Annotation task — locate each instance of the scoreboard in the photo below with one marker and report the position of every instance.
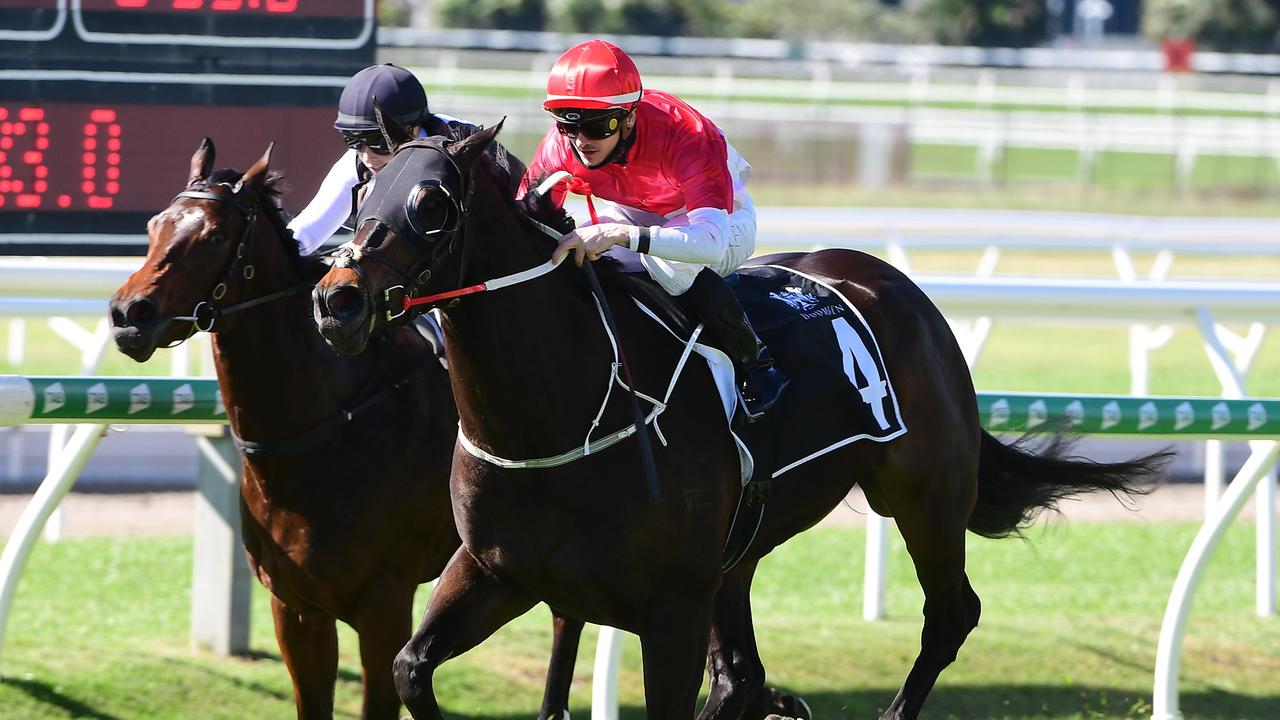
(102, 103)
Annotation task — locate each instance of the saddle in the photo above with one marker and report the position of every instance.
(840, 391)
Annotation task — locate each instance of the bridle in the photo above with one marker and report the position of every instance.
(431, 246)
(206, 313)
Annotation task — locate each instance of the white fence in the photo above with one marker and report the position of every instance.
(841, 53)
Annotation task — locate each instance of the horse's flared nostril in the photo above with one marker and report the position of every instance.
(117, 315)
(345, 303)
(141, 314)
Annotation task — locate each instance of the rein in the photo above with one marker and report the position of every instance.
(619, 359)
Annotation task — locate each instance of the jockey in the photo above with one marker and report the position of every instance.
(401, 97)
(679, 190)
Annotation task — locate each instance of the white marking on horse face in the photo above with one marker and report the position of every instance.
(175, 226)
(190, 216)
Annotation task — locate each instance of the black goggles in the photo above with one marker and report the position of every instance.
(371, 139)
(594, 129)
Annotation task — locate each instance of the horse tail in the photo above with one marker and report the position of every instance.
(1017, 483)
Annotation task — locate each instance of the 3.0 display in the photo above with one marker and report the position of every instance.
(106, 168)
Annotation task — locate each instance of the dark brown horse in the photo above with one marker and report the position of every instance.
(344, 515)
(530, 364)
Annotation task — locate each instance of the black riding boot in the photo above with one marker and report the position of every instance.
(727, 328)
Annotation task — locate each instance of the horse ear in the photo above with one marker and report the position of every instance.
(392, 130)
(468, 149)
(201, 162)
(251, 183)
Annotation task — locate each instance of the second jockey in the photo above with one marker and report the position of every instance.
(679, 189)
(401, 98)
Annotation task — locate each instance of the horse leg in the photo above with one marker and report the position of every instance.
(383, 625)
(673, 643)
(467, 606)
(933, 527)
(309, 645)
(564, 654)
(736, 673)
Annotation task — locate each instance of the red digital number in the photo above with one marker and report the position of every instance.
(24, 174)
(102, 145)
(272, 6)
(24, 138)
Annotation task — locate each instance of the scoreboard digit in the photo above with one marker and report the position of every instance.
(102, 103)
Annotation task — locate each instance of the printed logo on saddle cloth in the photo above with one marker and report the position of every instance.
(839, 393)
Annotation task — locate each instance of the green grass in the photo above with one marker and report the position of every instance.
(99, 630)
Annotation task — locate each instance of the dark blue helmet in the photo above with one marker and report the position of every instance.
(398, 92)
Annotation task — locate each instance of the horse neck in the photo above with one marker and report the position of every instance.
(278, 378)
(529, 363)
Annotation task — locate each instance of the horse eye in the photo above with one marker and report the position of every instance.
(218, 238)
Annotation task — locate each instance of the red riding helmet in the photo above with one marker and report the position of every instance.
(594, 75)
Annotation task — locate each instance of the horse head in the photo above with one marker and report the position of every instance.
(408, 233)
(200, 256)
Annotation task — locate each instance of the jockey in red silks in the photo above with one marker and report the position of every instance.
(678, 189)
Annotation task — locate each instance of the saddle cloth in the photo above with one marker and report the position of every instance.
(840, 391)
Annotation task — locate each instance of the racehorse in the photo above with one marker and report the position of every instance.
(344, 501)
(548, 515)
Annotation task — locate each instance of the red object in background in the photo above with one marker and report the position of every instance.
(1178, 53)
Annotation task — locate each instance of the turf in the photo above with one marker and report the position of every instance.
(99, 630)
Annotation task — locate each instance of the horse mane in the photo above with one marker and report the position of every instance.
(496, 163)
(311, 268)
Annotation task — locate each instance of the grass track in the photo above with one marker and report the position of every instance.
(1068, 632)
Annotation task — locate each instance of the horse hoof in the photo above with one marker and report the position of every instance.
(785, 706)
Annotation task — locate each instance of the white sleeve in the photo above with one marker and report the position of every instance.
(710, 236)
(322, 217)
(699, 236)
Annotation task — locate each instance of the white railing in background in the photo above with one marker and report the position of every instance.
(816, 86)
(846, 54)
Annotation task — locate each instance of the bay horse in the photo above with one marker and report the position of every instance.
(530, 361)
(345, 505)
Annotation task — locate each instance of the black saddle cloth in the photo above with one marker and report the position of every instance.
(840, 391)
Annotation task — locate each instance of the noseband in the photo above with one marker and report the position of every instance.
(401, 217)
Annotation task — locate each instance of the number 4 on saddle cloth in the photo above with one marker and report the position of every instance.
(839, 393)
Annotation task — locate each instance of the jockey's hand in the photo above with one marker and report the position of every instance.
(592, 241)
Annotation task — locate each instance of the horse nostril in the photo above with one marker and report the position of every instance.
(117, 316)
(345, 303)
(141, 314)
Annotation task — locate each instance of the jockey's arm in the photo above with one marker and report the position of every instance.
(708, 234)
(322, 217)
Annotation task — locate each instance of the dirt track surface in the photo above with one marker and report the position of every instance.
(172, 513)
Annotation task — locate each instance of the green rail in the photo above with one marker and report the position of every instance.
(1172, 417)
(53, 399)
(124, 400)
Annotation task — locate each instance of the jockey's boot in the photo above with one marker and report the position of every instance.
(760, 383)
